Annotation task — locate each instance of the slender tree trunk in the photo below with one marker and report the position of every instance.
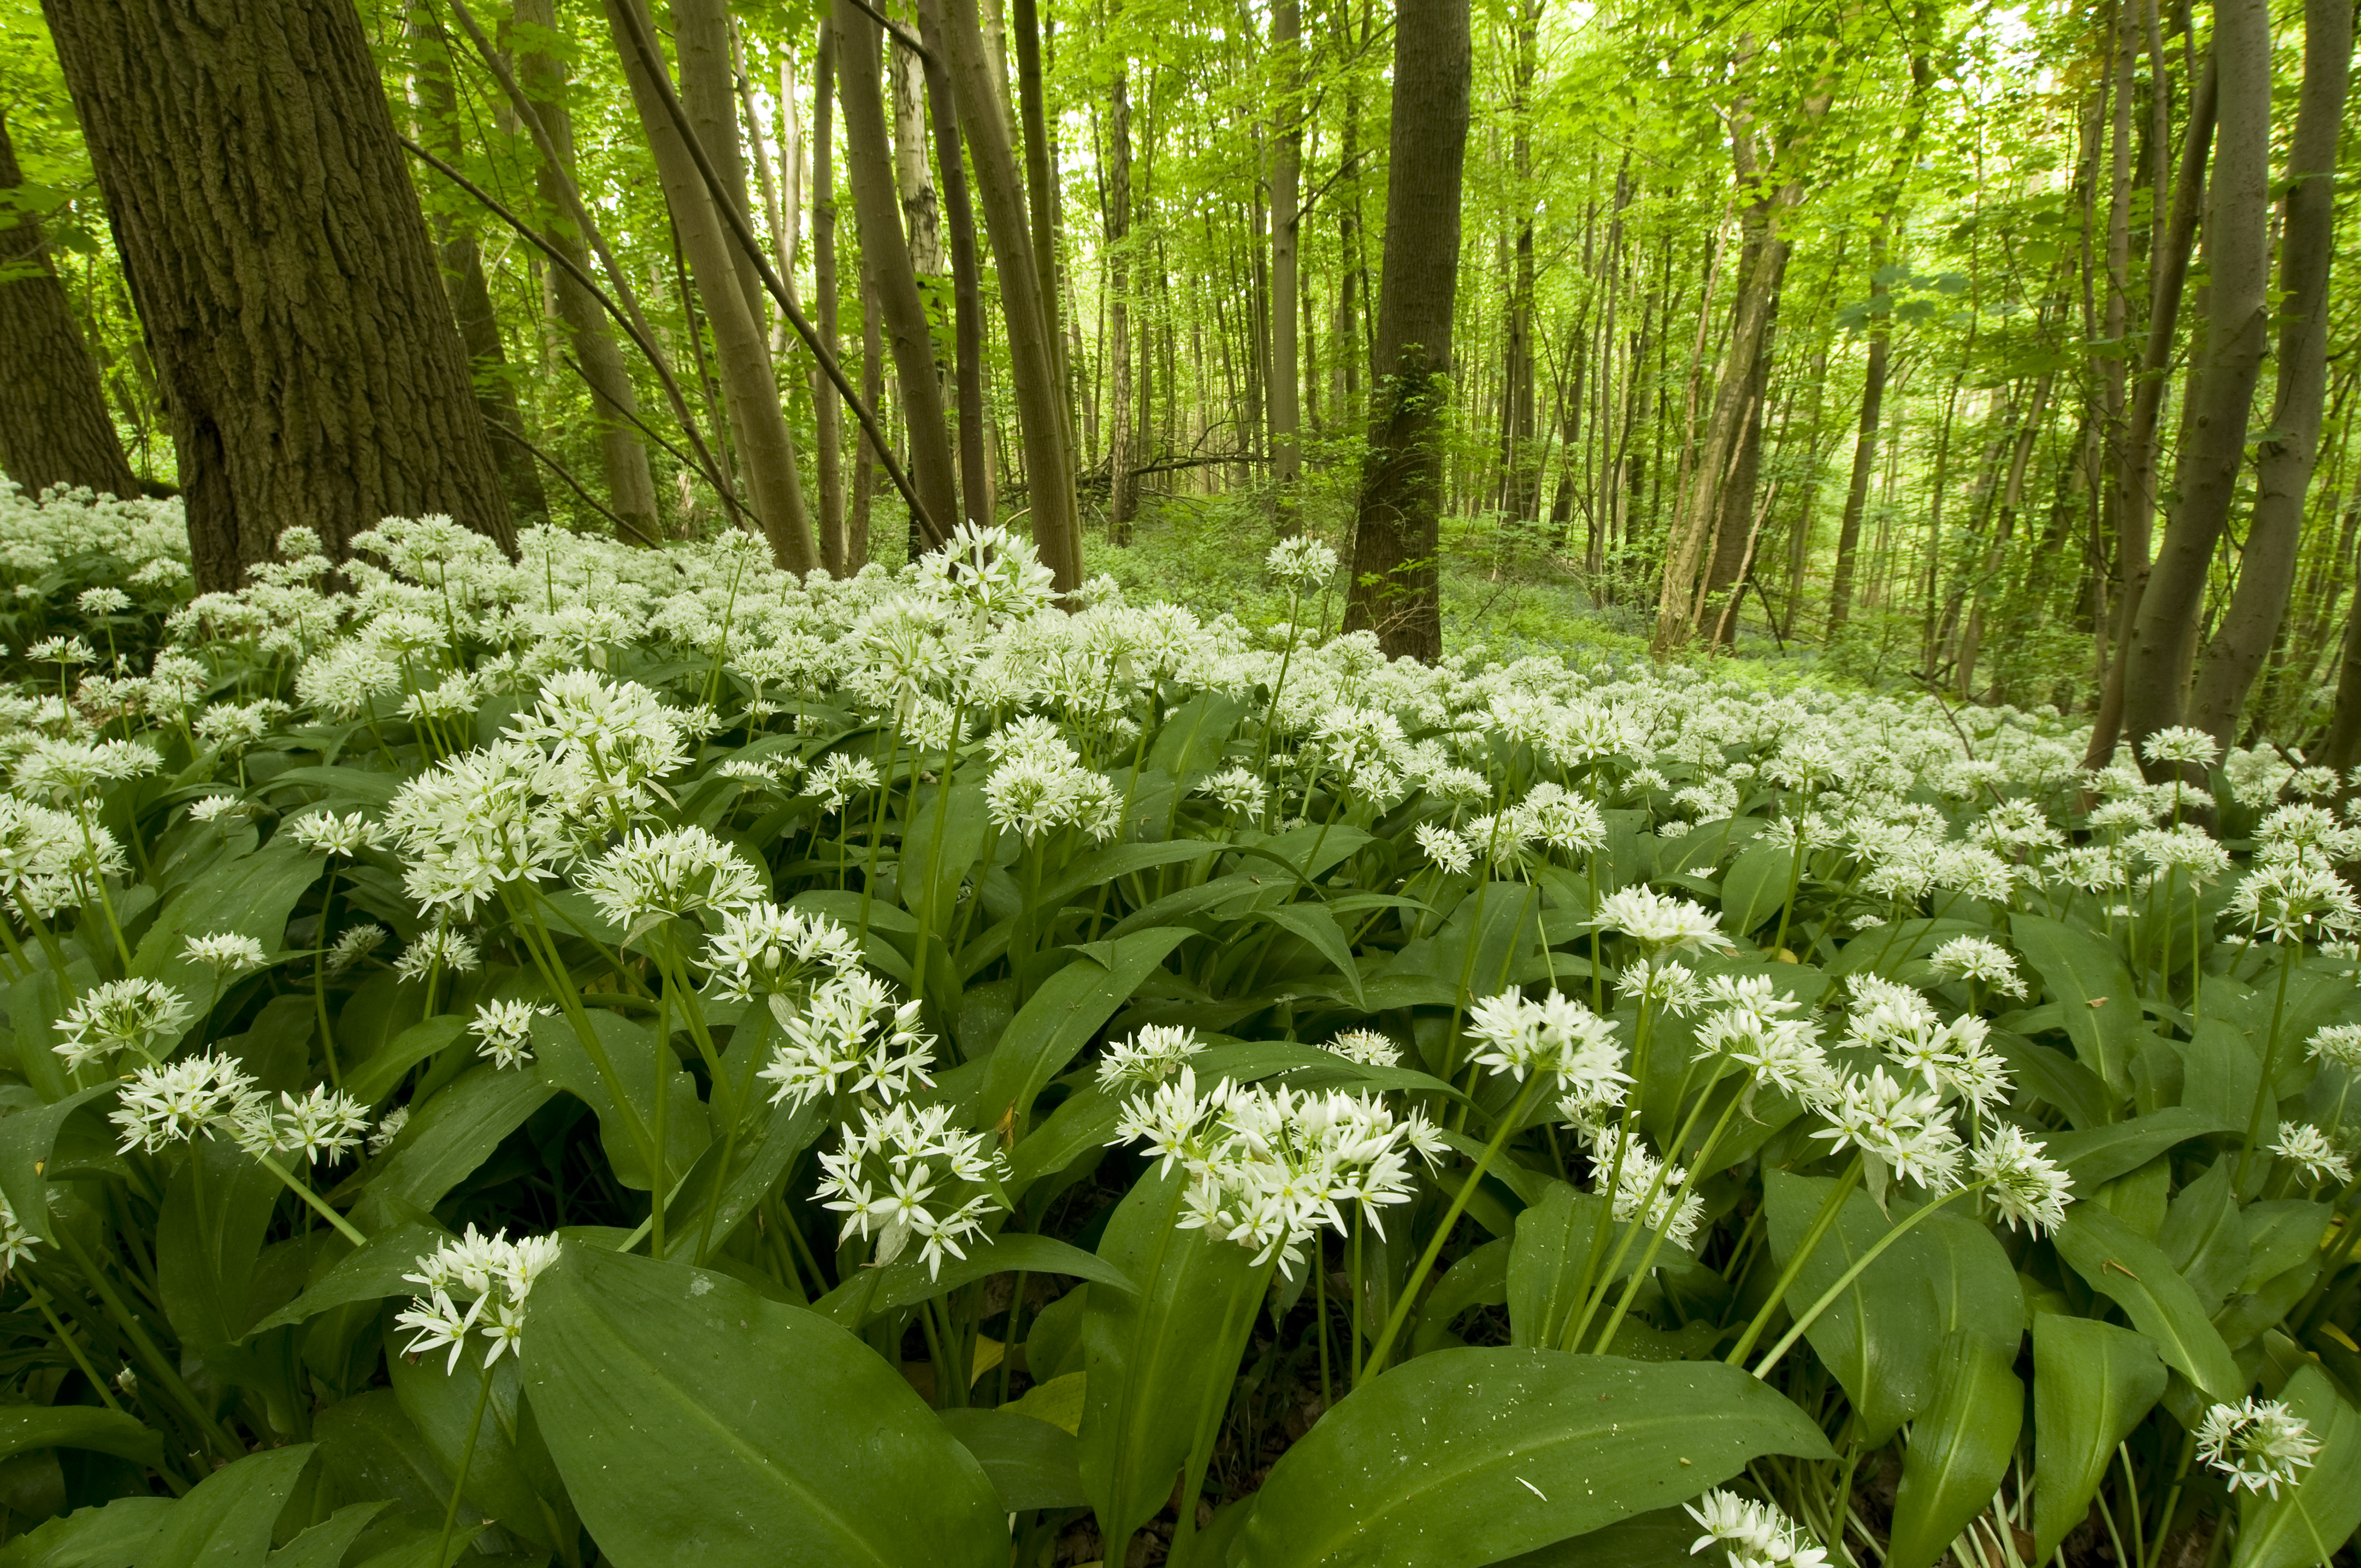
(886, 260)
(967, 309)
(1286, 191)
(2237, 254)
(55, 428)
(614, 405)
(1394, 589)
(2291, 439)
(1040, 190)
(1520, 465)
(977, 83)
(2174, 237)
(828, 413)
(872, 392)
(309, 359)
(1122, 457)
(462, 279)
(765, 450)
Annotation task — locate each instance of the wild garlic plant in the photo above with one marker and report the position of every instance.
(878, 1021)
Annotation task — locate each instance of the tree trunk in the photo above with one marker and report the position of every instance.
(977, 85)
(1397, 533)
(1117, 222)
(2168, 252)
(463, 278)
(614, 405)
(55, 428)
(1521, 463)
(765, 450)
(886, 260)
(967, 307)
(2283, 476)
(1286, 191)
(308, 357)
(826, 414)
(1040, 190)
(2237, 254)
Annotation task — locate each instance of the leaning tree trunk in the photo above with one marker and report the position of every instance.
(2283, 476)
(462, 276)
(894, 285)
(827, 411)
(2222, 390)
(1394, 590)
(281, 267)
(55, 428)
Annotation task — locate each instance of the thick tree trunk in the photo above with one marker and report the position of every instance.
(2283, 476)
(766, 449)
(281, 267)
(55, 428)
(827, 412)
(1394, 589)
(462, 276)
(885, 260)
(967, 306)
(2237, 255)
(977, 83)
(1041, 190)
(1286, 191)
(614, 405)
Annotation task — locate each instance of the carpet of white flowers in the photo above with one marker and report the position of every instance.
(625, 1056)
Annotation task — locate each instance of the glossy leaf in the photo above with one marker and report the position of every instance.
(1032, 1464)
(907, 1281)
(1960, 1448)
(1879, 1337)
(696, 1423)
(2085, 976)
(225, 1520)
(25, 1427)
(2325, 1505)
(1513, 1449)
(2092, 1383)
(1061, 1016)
(2118, 1263)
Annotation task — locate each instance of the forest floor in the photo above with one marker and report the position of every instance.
(1505, 587)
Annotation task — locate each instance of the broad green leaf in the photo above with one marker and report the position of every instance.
(1967, 1273)
(381, 1074)
(1061, 1016)
(1467, 1456)
(2085, 975)
(112, 1535)
(1122, 859)
(1959, 1447)
(2092, 1383)
(35, 1004)
(1161, 1363)
(2281, 1233)
(2325, 1506)
(1755, 886)
(1032, 1464)
(443, 1405)
(2059, 1078)
(1479, 1279)
(1319, 928)
(217, 1208)
(1190, 740)
(370, 1447)
(947, 835)
(757, 1164)
(2099, 1154)
(1880, 1336)
(368, 1273)
(325, 1544)
(635, 1057)
(2117, 1262)
(27, 1136)
(225, 1520)
(907, 1281)
(26, 1427)
(697, 1423)
(1547, 1253)
(2204, 1237)
(1058, 1401)
(249, 896)
(449, 1136)
(1654, 1539)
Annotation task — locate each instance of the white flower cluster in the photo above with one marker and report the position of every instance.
(477, 1285)
(1270, 1169)
(2256, 1444)
(906, 1173)
(1755, 1535)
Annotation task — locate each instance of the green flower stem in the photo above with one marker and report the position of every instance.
(158, 1368)
(659, 1170)
(1238, 1319)
(344, 1226)
(1826, 1217)
(561, 984)
(1657, 1238)
(72, 1345)
(320, 979)
(467, 1458)
(1861, 1265)
(1642, 1036)
(2264, 1098)
(1500, 1135)
(1360, 1289)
